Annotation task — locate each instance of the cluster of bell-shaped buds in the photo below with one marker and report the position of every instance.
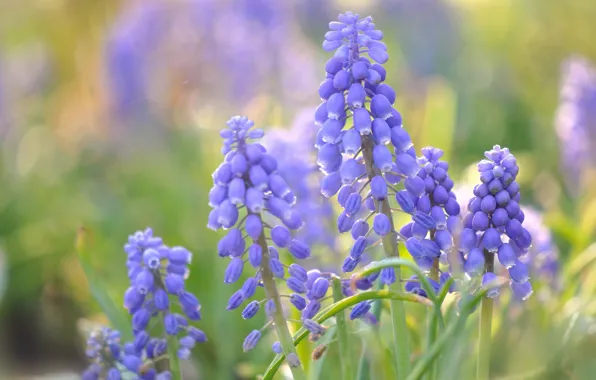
(362, 147)
(429, 199)
(493, 226)
(157, 274)
(248, 183)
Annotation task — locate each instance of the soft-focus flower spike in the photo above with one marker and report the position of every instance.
(369, 148)
(258, 181)
(157, 274)
(493, 226)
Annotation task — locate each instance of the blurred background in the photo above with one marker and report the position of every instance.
(109, 119)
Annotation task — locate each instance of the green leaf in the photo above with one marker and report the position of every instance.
(115, 314)
(337, 307)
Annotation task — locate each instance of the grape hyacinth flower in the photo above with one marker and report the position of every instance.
(543, 255)
(157, 274)
(248, 181)
(493, 226)
(429, 199)
(362, 145)
(112, 360)
(361, 141)
(576, 121)
(296, 163)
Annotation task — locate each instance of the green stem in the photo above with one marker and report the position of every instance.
(431, 317)
(342, 331)
(398, 311)
(279, 321)
(173, 361)
(335, 308)
(486, 314)
(363, 365)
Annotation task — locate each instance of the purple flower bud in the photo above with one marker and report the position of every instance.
(360, 310)
(336, 102)
(491, 240)
(251, 310)
(415, 185)
(378, 188)
(358, 248)
(227, 214)
(277, 268)
(236, 191)
(329, 158)
(140, 319)
(174, 284)
(345, 222)
(299, 272)
(132, 363)
(362, 121)
(144, 281)
(519, 272)
(298, 249)
(480, 221)
(331, 130)
(502, 198)
(276, 347)
(406, 164)
(350, 170)
(258, 177)
(444, 239)
(356, 95)
(474, 264)
(254, 200)
(313, 327)
(239, 165)
(296, 285)
(349, 264)
(311, 309)
(437, 213)
(298, 301)
(133, 300)
(388, 276)
(234, 270)
(326, 89)
(319, 288)
(341, 81)
(400, 139)
(382, 158)
(251, 340)
(188, 301)
(160, 297)
(381, 224)
(521, 291)
(468, 240)
(217, 194)
(281, 236)
(255, 255)
(353, 203)
(381, 131)
(235, 300)
(415, 247)
(405, 200)
(424, 220)
(380, 107)
(419, 231)
(359, 228)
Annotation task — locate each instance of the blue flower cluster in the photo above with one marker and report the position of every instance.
(493, 225)
(248, 181)
(429, 198)
(372, 150)
(543, 255)
(157, 274)
(576, 120)
(294, 152)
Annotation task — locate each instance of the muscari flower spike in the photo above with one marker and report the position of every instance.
(429, 199)
(294, 152)
(493, 226)
(248, 181)
(576, 121)
(112, 360)
(157, 274)
(361, 142)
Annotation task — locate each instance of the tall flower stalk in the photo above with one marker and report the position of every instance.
(359, 156)
(493, 227)
(247, 181)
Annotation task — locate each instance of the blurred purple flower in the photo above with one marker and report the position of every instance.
(296, 157)
(576, 120)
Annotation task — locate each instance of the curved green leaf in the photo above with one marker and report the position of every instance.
(340, 306)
